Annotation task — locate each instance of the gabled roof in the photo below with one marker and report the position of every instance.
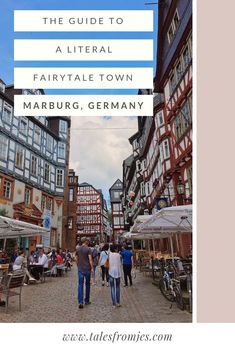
(84, 184)
(115, 187)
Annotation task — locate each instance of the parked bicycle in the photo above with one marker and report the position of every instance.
(170, 287)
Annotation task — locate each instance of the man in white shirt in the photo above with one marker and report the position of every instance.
(41, 265)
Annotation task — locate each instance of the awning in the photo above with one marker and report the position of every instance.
(139, 221)
(176, 219)
(12, 228)
(163, 224)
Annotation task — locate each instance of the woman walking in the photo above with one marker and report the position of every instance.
(103, 258)
(115, 274)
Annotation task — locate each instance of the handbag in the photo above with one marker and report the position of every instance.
(106, 264)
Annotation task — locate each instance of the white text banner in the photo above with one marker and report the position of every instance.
(83, 50)
(87, 21)
(83, 78)
(83, 105)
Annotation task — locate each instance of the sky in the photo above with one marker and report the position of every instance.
(96, 155)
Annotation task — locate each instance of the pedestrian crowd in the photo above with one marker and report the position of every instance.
(110, 258)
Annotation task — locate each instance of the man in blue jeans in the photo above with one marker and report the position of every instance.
(85, 267)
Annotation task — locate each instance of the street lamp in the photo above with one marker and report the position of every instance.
(180, 188)
(181, 191)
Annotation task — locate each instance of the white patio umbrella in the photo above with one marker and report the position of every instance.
(138, 222)
(176, 219)
(163, 224)
(12, 228)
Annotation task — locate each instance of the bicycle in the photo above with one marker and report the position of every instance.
(169, 286)
(188, 271)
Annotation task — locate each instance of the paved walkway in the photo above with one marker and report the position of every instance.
(56, 301)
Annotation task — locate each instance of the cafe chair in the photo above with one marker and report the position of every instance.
(12, 286)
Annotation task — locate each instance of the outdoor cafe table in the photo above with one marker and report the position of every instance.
(3, 270)
(40, 267)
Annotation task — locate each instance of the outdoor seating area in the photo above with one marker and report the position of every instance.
(10, 286)
(19, 268)
(168, 269)
(30, 272)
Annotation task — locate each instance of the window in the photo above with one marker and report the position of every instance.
(138, 166)
(49, 143)
(43, 202)
(71, 194)
(166, 149)
(7, 113)
(160, 119)
(186, 115)
(190, 178)
(142, 189)
(63, 126)
(3, 147)
(33, 165)
(135, 144)
(47, 172)
(61, 150)
(176, 20)
(184, 119)
(60, 177)
(147, 188)
(116, 194)
(178, 127)
(70, 223)
(178, 71)
(186, 57)
(37, 135)
(172, 83)
(116, 207)
(23, 126)
(19, 161)
(170, 34)
(7, 189)
(28, 196)
(116, 221)
(50, 203)
(173, 27)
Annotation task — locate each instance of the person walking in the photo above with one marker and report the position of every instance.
(115, 274)
(85, 267)
(103, 258)
(127, 262)
(95, 258)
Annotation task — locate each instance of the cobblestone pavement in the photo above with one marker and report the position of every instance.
(56, 301)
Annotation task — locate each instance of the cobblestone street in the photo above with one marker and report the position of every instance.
(56, 301)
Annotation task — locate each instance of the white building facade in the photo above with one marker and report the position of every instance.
(34, 154)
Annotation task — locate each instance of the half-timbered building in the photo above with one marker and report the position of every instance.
(34, 153)
(162, 146)
(92, 213)
(70, 219)
(115, 193)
